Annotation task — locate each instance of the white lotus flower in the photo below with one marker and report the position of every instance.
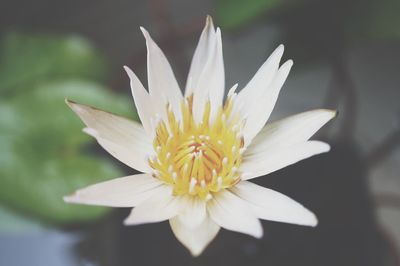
(198, 153)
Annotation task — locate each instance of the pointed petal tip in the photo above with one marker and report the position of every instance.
(335, 113)
(126, 222)
(289, 62)
(73, 105)
(76, 107)
(280, 49)
(142, 29)
(278, 52)
(90, 131)
(311, 220)
(323, 146)
(128, 71)
(286, 67)
(259, 234)
(70, 199)
(232, 90)
(196, 251)
(145, 33)
(327, 147)
(69, 102)
(314, 222)
(197, 239)
(209, 21)
(129, 222)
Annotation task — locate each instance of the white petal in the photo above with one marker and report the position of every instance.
(142, 100)
(230, 212)
(160, 207)
(216, 80)
(210, 85)
(274, 159)
(271, 205)
(128, 191)
(126, 140)
(195, 239)
(262, 107)
(194, 214)
(290, 130)
(203, 52)
(259, 83)
(163, 87)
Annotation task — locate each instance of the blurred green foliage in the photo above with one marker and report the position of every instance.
(317, 30)
(44, 154)
(372, 19)
(236, 13)
(29, 59)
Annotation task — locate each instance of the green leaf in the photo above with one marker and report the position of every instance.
(235, 13)
(43, 154)
(26, 60)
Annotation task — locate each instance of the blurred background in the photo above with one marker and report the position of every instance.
(347, 57)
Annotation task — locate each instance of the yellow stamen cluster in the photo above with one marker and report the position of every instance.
(198, 158)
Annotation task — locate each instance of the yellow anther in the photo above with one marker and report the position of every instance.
(198, 158)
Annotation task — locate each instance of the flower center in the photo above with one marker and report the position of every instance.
(198, 159)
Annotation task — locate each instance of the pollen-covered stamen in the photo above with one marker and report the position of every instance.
(198, 158)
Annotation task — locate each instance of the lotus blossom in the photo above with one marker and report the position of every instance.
(198, 152)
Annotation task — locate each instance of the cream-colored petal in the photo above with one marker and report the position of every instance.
(290, 130)
(202, 54)
(195, 239)
(160, 207)
(261, 109)
(231, 212)
(258, 84)
(194, 214)
(211, 83)
(274, 159)
(163, 87)
(126, 140)
(128, 191)
(142, 100)
(216, 79)
(271, 205)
